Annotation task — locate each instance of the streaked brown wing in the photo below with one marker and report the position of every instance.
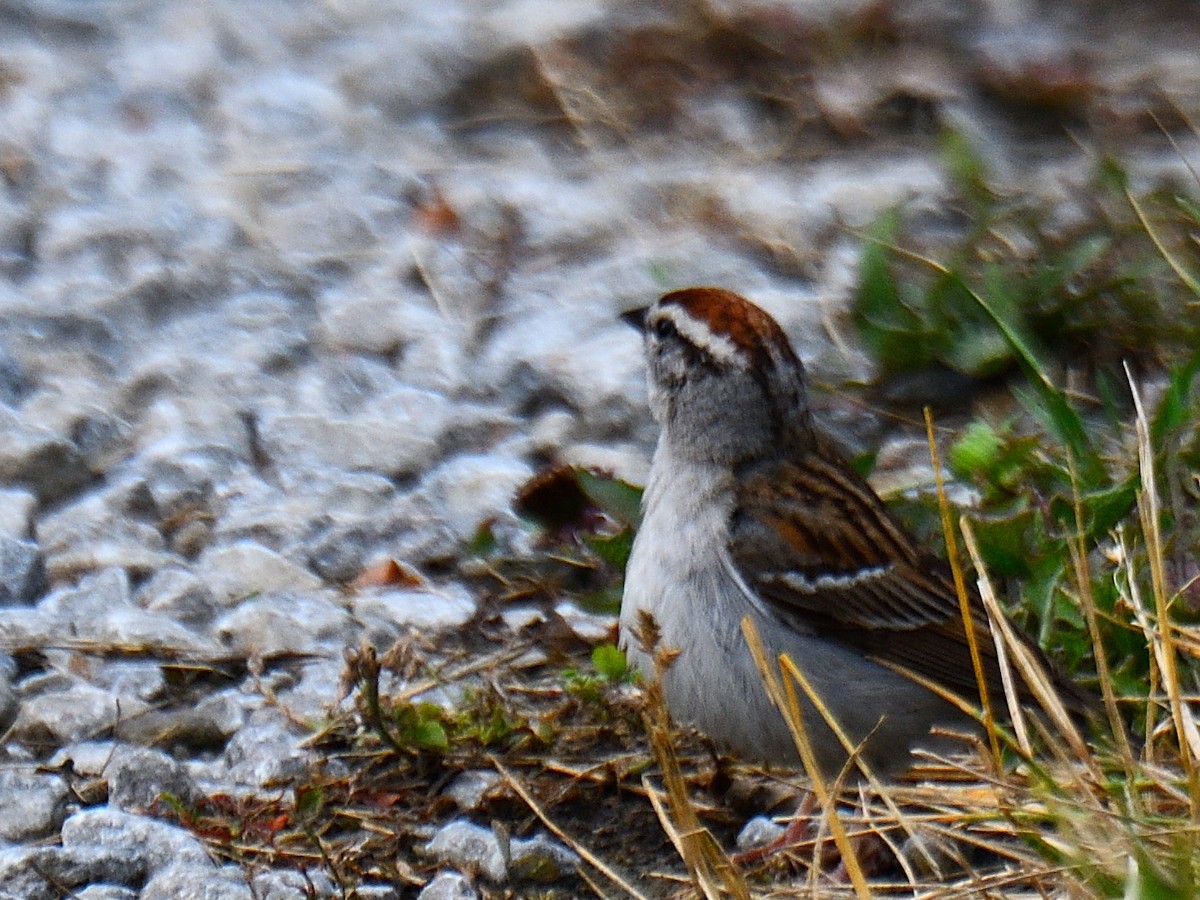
(819, 547)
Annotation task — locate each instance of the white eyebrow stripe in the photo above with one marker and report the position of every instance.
(806, 585)
(719, 347)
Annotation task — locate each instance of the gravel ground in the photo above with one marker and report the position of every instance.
(287, 288)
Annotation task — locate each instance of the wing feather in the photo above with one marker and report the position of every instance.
(823, 553)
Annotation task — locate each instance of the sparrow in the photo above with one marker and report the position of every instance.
(749, 511)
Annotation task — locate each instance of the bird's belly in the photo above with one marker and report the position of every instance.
(714, 684)
(676, 574)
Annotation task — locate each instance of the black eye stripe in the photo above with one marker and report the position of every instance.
(670, 339)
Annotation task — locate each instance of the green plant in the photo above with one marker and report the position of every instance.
(1017, 288)
(609, 667)
(582, 521)
(1083, 521)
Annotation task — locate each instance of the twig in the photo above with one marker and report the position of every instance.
(583, 851)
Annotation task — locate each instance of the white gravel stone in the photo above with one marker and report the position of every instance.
(32, 804)
(244, 569)
(315, 692)
(91, 598)
(288, 884)
(197, 882)
(519, 618)
(265, 751)
(94, 534)
(758, 832)
(154, 845)
(540, 859)
(86, 757)
(28, 627)
(628, 462)
(589, 627)
(63, 717)
(370, 443)
(190, 415)
(22, 875)
(179, 594)
(137, 776)
(39, 460)
(590, 362)
(449, 886)
(139, 628)
(22, 571)
(469, 847)
(469, 787)
(468, 489)
(284, 622)
(133, 678)
(16, 512)
(271, 516)
(425, 610)
(106, 892)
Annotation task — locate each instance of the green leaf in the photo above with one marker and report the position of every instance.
(1040, 590)
(976, 450)
(610, 662)
(614, 549)
(1190, 207)
(982, 353)
(309, 802)
(1175, 408)
(1111, 175)
(1189, 280)
(606, 601)
(965, 165)
(864, 463)
(1104, 508)
(483, 542)
(970, 344)
(620, 500)
(1147, 881)
(1017, 465)
(1082, 256)
(1051, 408)
(1004, 316)
(420, 726)
(1004, 542)
(896, 334)
(430, 735)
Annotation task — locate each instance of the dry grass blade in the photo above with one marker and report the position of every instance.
(484, 663)
(1015, 713)
(1142, 617)
(960, 588)
(784, 697)
(1177, 267)
(1165, 652)
(707, 865)
(1032, 672)
(1087, 602)
(584, 853)
(853, 754)
(696, 848)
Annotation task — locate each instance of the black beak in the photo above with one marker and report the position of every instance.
(635, 318)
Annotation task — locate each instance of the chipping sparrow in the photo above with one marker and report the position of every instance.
(748, 511)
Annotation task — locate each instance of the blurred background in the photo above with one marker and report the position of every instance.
(287, 288)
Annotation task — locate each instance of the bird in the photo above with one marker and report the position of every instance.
(750, 510)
